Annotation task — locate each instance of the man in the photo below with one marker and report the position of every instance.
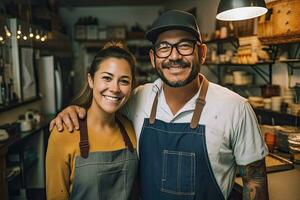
(192, 133)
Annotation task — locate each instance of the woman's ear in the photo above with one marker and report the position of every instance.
(202, 49)
(90, 81)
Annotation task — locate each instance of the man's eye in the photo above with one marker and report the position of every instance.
(185, 45)
(162, 46)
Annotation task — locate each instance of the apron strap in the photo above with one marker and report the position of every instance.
(125, 136)
(200, 103)
(84, 141)
(153, 110)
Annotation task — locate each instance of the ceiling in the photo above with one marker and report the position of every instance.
(82, 3)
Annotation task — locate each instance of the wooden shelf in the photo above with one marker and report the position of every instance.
(18, 104)
(290, 61)
(269, 116)
(223, 40)
(238, 64)
(242, 86)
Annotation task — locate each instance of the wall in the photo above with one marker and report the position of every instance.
(206, 12)
(144, 15)
(122, 15)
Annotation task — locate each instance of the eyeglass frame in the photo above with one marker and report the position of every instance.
(176, 47)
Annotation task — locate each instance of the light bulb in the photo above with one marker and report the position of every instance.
(37, 36)
(1, 38)
(19, 32)
(18, 36)
(24, 37)
(7, 32)
(43, 39)
(30, 32)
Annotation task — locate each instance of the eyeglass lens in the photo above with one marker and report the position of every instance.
(185, 48)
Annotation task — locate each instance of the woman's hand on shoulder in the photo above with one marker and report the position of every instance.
(69, 117)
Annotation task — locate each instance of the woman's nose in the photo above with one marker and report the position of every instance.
(114, 86)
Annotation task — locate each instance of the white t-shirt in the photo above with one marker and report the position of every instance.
(232, 133)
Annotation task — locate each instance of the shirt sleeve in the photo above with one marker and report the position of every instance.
(248, 144)
(57, 168)
(129, 108)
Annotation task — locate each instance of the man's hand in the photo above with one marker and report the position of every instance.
(255, 181)
(69, 117)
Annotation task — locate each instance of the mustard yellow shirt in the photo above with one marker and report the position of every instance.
(63, 147)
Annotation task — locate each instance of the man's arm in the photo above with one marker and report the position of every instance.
(69, 117)
(255, 183)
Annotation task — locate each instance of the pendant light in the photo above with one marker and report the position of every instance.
(234, 10)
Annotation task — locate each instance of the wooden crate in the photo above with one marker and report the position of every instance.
(281, 24)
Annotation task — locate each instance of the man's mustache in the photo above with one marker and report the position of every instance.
(180, 63)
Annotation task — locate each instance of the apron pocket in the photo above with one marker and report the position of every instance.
(112, 185)
(178, 173)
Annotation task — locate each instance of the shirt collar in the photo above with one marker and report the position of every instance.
(190, 105)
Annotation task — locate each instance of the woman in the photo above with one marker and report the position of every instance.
(100, 160)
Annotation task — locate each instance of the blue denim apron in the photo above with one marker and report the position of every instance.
(104, 175)
(174, 162)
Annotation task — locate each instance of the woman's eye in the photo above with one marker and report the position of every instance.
(125, 82)
(107, 78)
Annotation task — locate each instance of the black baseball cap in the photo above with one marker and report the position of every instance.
(173, 20)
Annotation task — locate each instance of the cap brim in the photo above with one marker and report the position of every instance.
(152, 34)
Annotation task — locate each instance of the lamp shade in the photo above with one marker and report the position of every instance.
(234, 10)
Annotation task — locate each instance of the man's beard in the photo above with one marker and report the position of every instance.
(193, 74)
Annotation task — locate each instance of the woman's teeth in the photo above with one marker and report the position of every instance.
(112, 98)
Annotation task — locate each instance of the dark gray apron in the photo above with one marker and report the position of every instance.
(104, 175)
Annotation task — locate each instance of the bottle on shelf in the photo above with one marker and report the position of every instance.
(2, 91)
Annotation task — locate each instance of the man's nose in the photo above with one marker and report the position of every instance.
(175, 55)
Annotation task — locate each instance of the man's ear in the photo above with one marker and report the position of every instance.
(152, 59)
(90, 81)
(202, 49)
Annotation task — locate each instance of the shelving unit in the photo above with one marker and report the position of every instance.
(31, 173)
(138, 46)
(293, 59)
(276, 118)
(256, 67)
(262, 69)
(18, 104)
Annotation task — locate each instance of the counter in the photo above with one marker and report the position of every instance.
(18, 139)
(282, 185)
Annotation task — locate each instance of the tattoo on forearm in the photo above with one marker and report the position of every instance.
(255, 181)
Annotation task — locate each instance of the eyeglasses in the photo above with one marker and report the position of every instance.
(184, 48)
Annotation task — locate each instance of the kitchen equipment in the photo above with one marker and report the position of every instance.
(295, 109)
(256, 102)
(276, 163)
(276, 103)
(55, 82)
(267, 103)
(242, 78)
(228, 78)
(26, 121)
(223, 32)
(270, 139)
(268, 90)
(3, 135)
(297, 90)
(288, 140)
(281, 24)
